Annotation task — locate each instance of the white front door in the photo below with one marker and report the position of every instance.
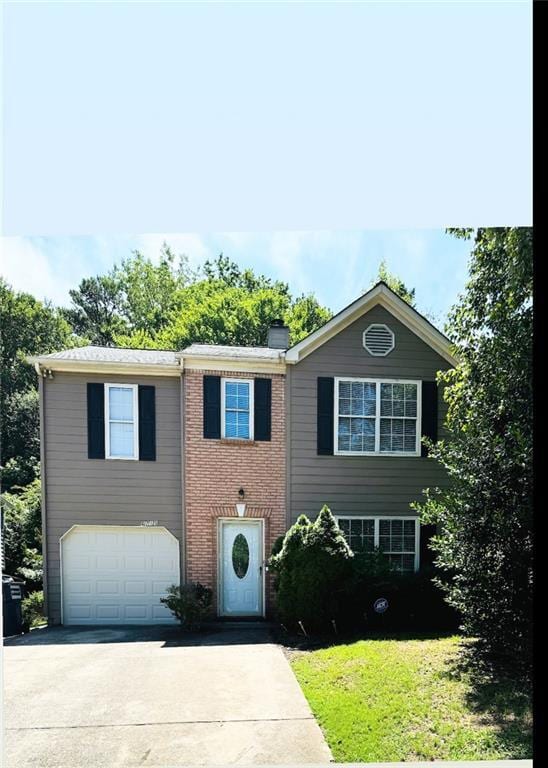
(241, 576)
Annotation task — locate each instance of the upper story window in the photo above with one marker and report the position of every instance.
(121, 417)
(377, 417)
(237, 408)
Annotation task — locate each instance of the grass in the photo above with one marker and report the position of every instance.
(412, 699)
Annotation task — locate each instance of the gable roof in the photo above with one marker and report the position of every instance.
(213, 356)
(384, 296)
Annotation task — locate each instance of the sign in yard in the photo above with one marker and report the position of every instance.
(380, 605)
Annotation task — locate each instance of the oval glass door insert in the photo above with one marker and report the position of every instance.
(240, 556)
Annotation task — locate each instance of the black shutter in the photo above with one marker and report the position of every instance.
(262, 406)
(147, 423)
(325, 415)
(429, 413)
(426, 554)
(212, 407)
(96, 421)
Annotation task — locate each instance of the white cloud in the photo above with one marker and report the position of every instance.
(27, 268)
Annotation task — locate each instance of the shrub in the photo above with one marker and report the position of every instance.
(312, 570)
(32, 608)
(189, 603)
(415, 603)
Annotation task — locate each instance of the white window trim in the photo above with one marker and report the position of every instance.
(251, 407)
(377, 527)
(135, 389)
(377, 451)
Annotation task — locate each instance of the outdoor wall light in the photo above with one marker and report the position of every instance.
(241, 493)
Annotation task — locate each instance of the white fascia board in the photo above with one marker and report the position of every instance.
(102, 367)
(240, 365)
(396, 306)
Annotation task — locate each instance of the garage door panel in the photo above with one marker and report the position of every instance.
(119, 576)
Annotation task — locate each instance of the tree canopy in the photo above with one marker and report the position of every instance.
(28, 327)
(395, 283)
(168, 306)
(484, 543)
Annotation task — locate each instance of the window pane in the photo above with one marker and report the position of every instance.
(409, 527)
(120, 403)
(359, 534)
(344, 525)
(344, 443)
(243, 425)
(121, 439)
(243, 396)
(345, 389)
(357, 398)
(410, 399)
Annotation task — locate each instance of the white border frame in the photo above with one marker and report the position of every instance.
(377, 518)
(135, 388)
(377, 451)
(251, 383)
(221, 521)
(93, 527)
(390, 331)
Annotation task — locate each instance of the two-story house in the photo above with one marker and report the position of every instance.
(161, 467)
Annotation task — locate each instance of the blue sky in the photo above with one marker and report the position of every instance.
(335, 265)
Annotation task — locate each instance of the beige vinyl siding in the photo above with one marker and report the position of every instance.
(106, 491)
(357, 485)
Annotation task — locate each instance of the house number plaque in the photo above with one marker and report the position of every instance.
(149, 523)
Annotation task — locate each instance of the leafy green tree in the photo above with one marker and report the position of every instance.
(22, 533)
(96, 309)
(229, 306)
(304, 316)
(484, 543)
(395, 283)
(27, 327)
(151, 292)
(137, 296)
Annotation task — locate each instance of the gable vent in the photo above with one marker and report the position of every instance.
(378, 340)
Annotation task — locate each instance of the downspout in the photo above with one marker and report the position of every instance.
(42, 408)
(183, 462)
(288, 464)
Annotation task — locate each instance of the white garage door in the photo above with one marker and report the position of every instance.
(116, 574)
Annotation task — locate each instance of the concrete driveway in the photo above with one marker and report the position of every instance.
(151, 697)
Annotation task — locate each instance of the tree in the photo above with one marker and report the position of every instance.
(138, 296)
(28, 327)
(229, 306)
(22, 534)
(395, 283)
(484, 544)
(96, 309)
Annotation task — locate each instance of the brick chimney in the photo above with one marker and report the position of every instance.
(278, 335)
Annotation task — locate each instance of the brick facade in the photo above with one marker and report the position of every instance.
(215, 470)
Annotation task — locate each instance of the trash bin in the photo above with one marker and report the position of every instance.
(13, 592)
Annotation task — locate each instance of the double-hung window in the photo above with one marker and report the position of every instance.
(377, 417)
(237, 409)
(396, 537)
(121, 417)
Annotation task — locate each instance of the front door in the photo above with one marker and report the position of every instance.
(241, 576)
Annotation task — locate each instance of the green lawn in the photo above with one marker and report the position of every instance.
(396, 699)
